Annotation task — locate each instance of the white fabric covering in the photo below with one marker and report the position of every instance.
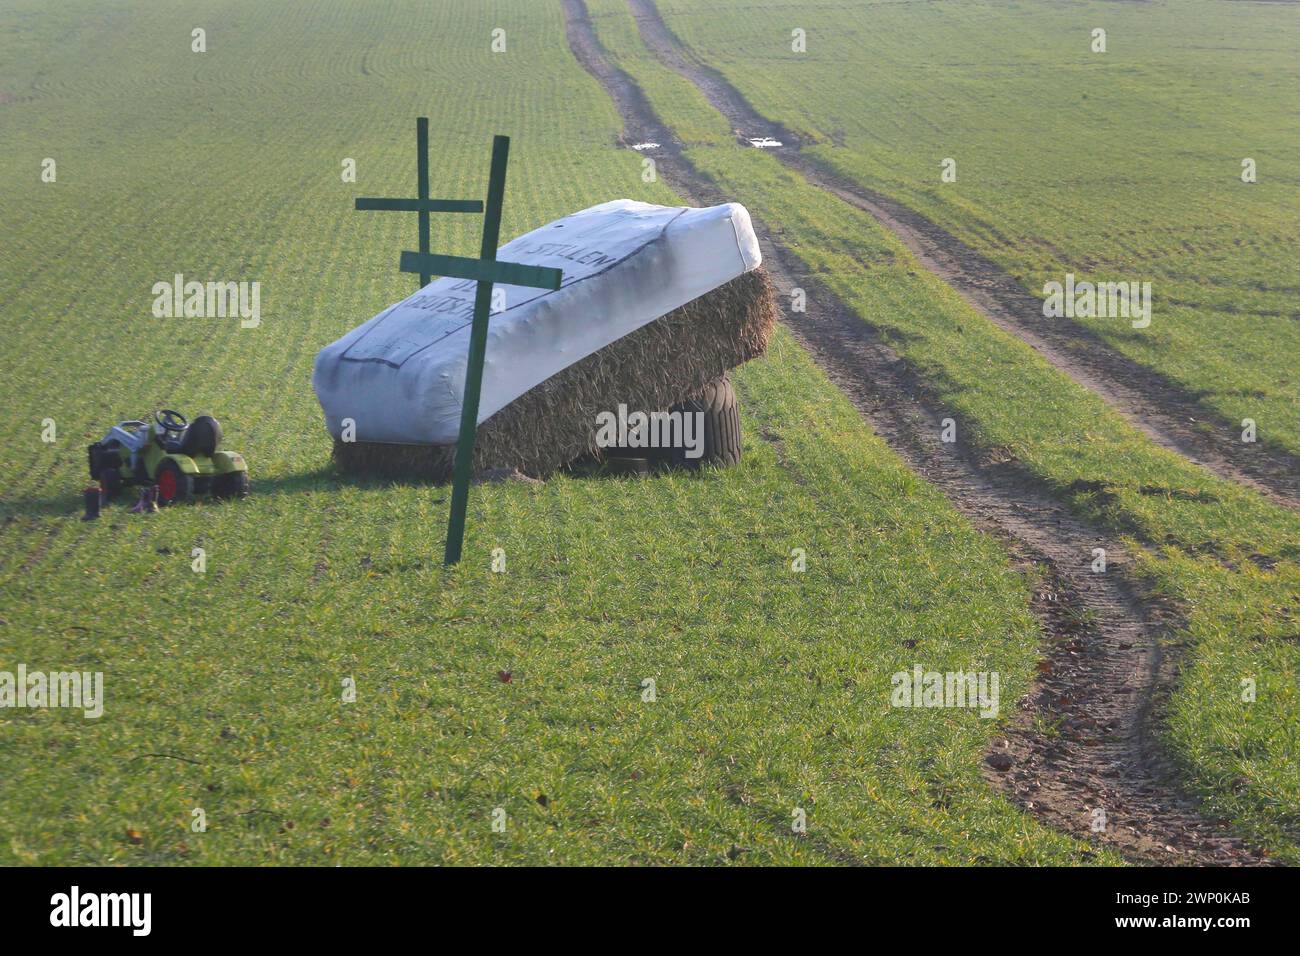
(401, 375)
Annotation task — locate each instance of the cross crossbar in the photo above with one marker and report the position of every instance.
(483, 270)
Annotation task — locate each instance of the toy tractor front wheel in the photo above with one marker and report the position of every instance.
(173, 484)
(110, 479)
(233, 484)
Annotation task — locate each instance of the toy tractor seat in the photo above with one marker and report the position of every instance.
(202, 437)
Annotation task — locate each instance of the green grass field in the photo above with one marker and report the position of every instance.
(1122, 165)
(1195, 535)
(224, 690)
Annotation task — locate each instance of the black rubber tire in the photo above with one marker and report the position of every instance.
(619, 465)
(184, 484)
(721, 439)
(110, 479)
(721, 425)
(233, 484)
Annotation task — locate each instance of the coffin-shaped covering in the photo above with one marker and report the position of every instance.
(400, 377)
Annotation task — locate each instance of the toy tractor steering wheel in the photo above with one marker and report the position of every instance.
(171, 421)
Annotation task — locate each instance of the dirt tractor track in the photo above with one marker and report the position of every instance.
(1154, 405)
(1107, 666)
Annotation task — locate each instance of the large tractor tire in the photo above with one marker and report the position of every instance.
(721, 425)
(721, 432)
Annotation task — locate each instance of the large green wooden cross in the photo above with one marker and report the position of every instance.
(485, 270)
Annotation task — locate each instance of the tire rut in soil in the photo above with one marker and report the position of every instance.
(1106, 667)
(1148, 400)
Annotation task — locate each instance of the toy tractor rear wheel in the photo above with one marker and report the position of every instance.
(173, 484)
(110, 479)
(233, 484)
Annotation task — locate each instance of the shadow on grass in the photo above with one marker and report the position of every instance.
(329, 478)
(70, 504)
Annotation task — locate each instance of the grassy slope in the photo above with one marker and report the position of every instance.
(1205, 542)
(1122, 165)
(223, 691)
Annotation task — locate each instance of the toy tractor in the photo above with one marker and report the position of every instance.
(177, 455)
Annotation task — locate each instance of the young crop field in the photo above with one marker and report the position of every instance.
(1190, 534)
(686, 668)
(223, 689)
(1122, 165)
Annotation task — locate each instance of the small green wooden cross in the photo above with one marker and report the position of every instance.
(485, 270)
(422, 204)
